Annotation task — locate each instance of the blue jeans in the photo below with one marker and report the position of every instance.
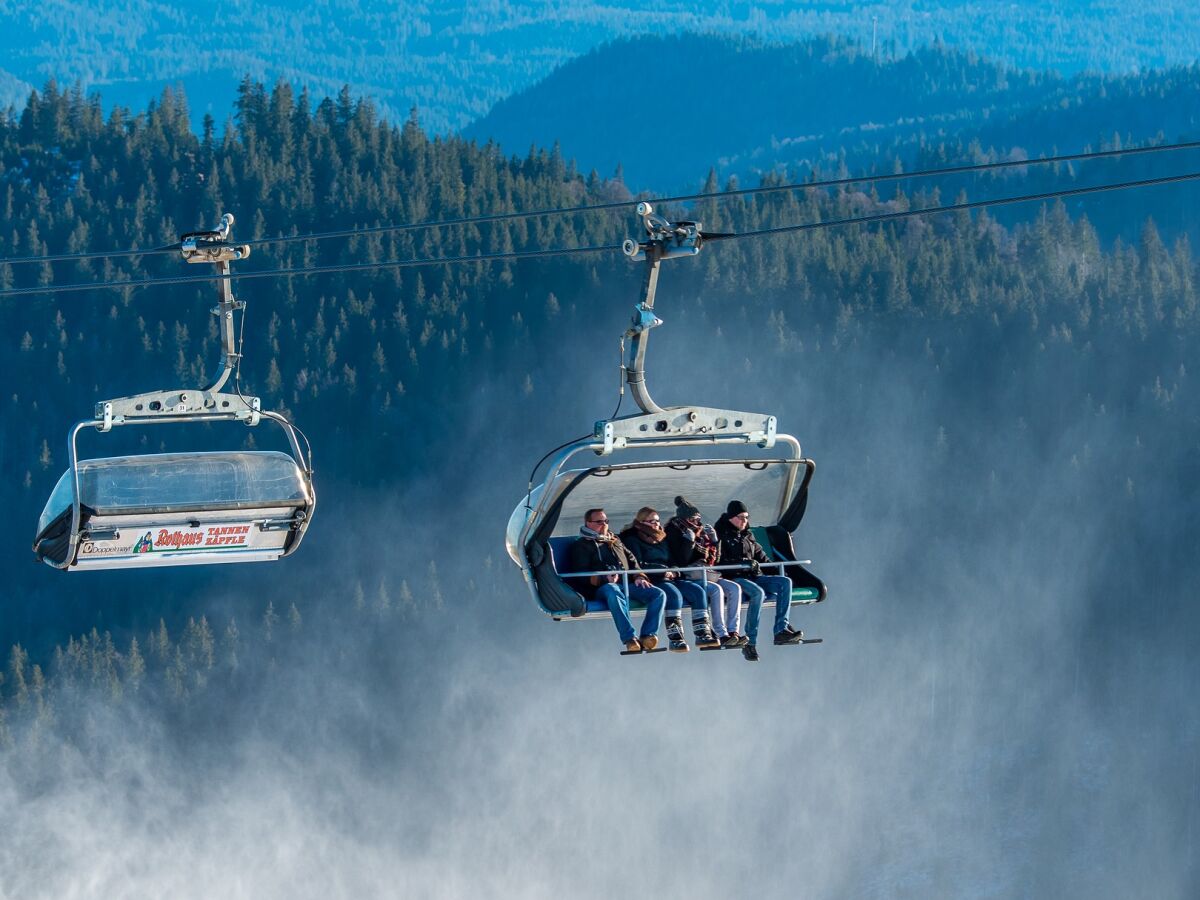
(618, 605)
(694, 594)
(756, 590)
(674, 598)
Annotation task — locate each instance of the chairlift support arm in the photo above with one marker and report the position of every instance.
(217, 247)
(665, 240)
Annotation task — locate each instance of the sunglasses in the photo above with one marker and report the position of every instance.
(599, 521)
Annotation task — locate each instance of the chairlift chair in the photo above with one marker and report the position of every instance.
(166, 509)
(726, 454)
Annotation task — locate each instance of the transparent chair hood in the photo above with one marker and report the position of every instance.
(165, 482)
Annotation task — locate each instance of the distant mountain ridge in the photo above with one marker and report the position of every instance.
(667, 108)
(454, 60)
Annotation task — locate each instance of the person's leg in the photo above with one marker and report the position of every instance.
(656, 603)
(697, 598)
(718, 592)
(733, 603)
(618, 605)
(674, 616)
(754, 599)
(715, 596)
(693, 595)
(674, 598)
(779, 587)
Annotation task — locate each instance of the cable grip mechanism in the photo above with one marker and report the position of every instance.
(664, 239)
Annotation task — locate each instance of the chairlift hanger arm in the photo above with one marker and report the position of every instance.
(217, 247)
(665, 240)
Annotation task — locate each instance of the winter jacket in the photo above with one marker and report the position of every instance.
(682, 548)
(738, 546)
(589, 555)
(654, 559)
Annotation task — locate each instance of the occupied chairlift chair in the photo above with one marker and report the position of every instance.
(720, 464)
(169, 509)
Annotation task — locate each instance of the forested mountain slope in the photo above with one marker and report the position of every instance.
(455, 60)
(666, 107)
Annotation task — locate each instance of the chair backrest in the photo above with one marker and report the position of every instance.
(560, 549)
(760, 535)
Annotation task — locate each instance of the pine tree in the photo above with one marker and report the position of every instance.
(231, 646)
(18, 689)
(270, 621)
(135, 666)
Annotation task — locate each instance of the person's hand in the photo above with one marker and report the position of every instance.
(710, 531)
(669, 576)
(642, 581)
(612, 577)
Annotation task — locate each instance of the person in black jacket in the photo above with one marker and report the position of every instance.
(738, 545)
(598, 550)
(645, 538)
(691, 544)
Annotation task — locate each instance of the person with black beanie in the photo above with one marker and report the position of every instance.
(738, 545)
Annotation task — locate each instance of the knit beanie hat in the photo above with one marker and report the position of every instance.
(684, 509)
(735, 508)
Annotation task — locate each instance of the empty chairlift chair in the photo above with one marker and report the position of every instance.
(175, 509)
(168, 509)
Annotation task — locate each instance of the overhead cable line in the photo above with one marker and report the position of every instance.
(618, 204)
(957, 207)
(576, 251)
(311, 270)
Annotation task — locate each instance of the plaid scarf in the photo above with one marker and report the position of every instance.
(706, 543)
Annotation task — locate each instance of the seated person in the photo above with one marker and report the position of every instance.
(645, 538)
(739, 546)
(598, 550)
(691, 543)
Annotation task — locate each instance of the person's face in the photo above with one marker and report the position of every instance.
(598, 523)
(694, 521)
(741, 520)
(652, 519)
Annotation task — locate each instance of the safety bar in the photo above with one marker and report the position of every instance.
(726, 568)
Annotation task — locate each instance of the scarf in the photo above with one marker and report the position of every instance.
(708, 548)
(596, 536)
(650, 533)
(707, 545)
